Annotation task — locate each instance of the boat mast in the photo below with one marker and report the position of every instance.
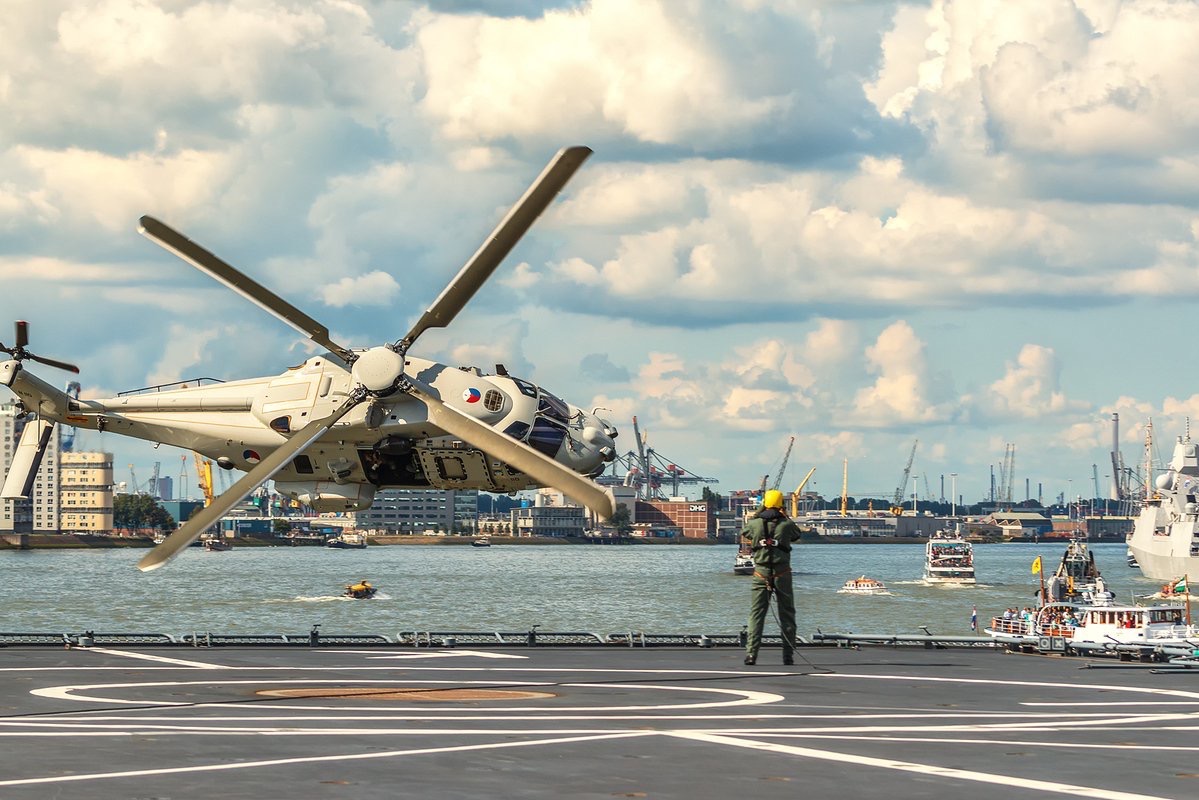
(1149, 461)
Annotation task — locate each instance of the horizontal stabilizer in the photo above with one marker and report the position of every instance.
(19, 482)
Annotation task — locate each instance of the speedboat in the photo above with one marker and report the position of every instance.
(214, 544)
(482, 541)
(863, 585)
(360, 591)
(743, 563)
(948, 559)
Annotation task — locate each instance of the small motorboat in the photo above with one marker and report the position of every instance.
(347, 541)
(482, 541)
(360, 591)
(863, 585)
(216, 545)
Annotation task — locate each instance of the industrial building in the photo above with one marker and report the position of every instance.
(419, 510)
(85, 492)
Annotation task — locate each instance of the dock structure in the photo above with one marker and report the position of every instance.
(96, 716)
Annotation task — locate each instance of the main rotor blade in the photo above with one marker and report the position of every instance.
(478, 269)
(52, 363)
(170, 239)
(22, 333)
(519, 455)
(262, 473)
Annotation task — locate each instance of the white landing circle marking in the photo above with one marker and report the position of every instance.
(741, 697)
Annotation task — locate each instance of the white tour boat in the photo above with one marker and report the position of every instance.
(1101, 628)
(863, 585)
(948, 558)
(1165, 538)
(743, 563)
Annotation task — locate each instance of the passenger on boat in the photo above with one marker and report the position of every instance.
(770, 534)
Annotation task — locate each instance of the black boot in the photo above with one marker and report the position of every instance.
(788, 660)
(751, 660)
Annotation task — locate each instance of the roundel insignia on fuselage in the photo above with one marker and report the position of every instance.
(251, 456)
(472, 395)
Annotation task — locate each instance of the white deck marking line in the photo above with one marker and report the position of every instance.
(137, 773)
(957, 740)
(985, 682)
(179, 662)
(908, 766)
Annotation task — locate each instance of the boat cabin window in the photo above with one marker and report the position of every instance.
(1169, 616)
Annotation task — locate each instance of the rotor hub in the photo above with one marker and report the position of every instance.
(378, 369)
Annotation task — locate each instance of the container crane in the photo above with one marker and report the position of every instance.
(643, 462)
(132, 480)
(798, 491)
(648, 471)
(154, 481)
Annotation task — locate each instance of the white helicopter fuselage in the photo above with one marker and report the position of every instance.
(386, 443)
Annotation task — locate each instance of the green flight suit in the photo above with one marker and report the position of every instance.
(770, 535)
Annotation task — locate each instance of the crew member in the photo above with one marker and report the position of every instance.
(770, 534)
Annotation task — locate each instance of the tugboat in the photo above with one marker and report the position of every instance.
(360, 591)
(948, 559)
(1077, 579)
(347, 541)
(215, 544)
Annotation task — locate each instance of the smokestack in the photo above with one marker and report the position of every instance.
(1114, 494)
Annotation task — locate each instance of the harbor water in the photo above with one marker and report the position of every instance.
(601, 589)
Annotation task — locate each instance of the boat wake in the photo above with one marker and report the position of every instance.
(325, 598)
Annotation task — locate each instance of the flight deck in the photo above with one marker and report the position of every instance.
(341, 721)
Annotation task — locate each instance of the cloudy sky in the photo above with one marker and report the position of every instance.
(861, 224)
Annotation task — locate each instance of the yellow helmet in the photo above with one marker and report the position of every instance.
(773, 499)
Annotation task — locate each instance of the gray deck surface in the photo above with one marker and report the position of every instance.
(606, 722)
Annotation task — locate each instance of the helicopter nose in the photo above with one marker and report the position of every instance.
(600, 440)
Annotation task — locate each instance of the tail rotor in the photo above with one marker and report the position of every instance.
(19, 353)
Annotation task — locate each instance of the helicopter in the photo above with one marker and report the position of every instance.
(335, 429)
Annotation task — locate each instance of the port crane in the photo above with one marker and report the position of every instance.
(798, 491)
(778, 479)
(204, 478)
(897, 500)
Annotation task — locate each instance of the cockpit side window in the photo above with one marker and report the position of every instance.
(547, 436)
(526, 388)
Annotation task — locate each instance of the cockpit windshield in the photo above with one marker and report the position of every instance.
(552, 406)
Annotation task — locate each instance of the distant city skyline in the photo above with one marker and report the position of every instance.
(859, 224)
